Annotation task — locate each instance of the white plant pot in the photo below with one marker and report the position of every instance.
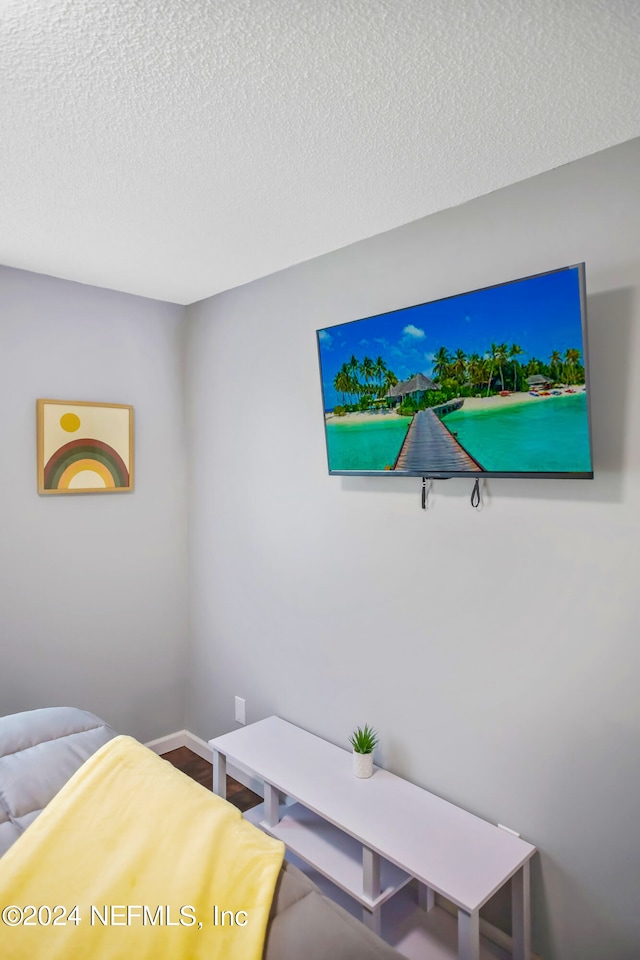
(362, 764)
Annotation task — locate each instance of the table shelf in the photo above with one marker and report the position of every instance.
(329, 850)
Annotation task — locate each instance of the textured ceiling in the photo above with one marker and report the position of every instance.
(176, 148)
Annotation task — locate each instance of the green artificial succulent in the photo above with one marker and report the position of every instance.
(363, 739)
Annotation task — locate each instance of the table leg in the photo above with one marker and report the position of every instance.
(426, 897)
(271, 805)
(371, 887)
(372, 919)
(220, 774)
(370, 874)
(521, 913)
(468, 935)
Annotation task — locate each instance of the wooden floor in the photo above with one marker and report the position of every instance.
(202, 771)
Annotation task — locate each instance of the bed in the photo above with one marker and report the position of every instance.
(73, 796)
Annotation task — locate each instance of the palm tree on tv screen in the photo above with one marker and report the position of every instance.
(492, 362)
(390, 380)
(514, 352)
(459, 366)
(379, 370)
(353, 367)
(366, 369)
(342, 382)
(556, 363)
(476, 370)
(441, 362)
(502, 353)
(571, 358)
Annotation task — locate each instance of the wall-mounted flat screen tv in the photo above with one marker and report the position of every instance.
(490, 383)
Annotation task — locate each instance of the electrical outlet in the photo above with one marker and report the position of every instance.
(240, 710)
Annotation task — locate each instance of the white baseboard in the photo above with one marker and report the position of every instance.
(201, 747)
(171, 742)
(184, 738)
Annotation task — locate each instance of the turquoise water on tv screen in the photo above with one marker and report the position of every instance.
(365, 446)
(547, 435)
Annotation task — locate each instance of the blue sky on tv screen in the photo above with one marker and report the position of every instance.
(540, 314)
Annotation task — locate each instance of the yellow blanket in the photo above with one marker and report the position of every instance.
(132, 860)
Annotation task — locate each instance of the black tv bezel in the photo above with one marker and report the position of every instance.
(484, 474)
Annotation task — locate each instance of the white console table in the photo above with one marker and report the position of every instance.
(371, 837)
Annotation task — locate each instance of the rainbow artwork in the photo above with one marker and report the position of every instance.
(84, 447)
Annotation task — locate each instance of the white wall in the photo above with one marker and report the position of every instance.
(93, 587)
(496, 652)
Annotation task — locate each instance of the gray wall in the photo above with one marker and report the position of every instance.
(93, 587)
(496, 652)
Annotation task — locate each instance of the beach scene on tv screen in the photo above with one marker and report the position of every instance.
(490, 381)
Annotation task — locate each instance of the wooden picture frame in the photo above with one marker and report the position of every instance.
(84, 447)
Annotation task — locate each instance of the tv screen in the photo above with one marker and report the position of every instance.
(490, 383)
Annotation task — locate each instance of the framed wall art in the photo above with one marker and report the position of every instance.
(84, 447)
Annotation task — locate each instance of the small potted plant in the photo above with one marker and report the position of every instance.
(363, 740)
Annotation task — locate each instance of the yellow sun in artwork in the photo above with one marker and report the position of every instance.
(69, 422)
